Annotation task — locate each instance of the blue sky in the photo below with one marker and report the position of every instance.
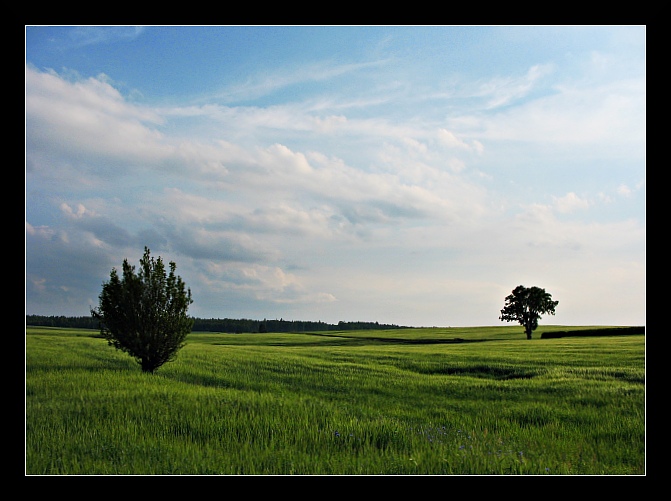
(403, 174)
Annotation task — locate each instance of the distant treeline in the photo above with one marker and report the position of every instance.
(611, 331)
(247, 325)
(223, 324)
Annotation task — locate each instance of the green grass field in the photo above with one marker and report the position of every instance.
(460, 401)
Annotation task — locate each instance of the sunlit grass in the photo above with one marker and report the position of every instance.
(302, 404)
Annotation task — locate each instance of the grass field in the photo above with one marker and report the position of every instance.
(460, 401)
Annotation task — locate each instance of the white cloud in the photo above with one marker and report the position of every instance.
(42, 231)
(78, 214)
(608, 119)
(570, 203)
(85, 121)
(624, 190)
(452, 141)
(504, 90)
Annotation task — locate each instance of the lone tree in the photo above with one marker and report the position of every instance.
(144, 314)
(525, 305)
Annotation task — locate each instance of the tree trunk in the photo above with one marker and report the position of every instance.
(148, 366)
(528, 330)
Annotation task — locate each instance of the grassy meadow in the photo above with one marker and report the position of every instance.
(435, 401)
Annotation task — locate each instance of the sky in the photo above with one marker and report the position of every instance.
(412, 175)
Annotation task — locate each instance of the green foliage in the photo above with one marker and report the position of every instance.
(525, 306)
(144, 314)
(281, 404)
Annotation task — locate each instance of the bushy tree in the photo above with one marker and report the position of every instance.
(525, 305)
(144, 314)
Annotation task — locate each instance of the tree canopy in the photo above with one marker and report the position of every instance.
(144, 314)
(526, 305)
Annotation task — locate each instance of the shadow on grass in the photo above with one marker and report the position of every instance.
(344, 340)
(482, 371)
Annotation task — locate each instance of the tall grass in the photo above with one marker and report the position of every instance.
(329, 405)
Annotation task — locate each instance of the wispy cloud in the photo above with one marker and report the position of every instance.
(502, 91)
(81, 36)
(264, 84)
